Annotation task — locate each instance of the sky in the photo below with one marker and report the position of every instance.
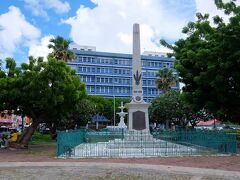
(27, 25)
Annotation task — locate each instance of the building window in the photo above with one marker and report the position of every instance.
(144, 72)
(144, 90)
(92, 78)
(98, 60)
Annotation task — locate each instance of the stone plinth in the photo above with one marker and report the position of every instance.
(138, 116)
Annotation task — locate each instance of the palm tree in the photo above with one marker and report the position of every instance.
(60, 48)
(165, 79)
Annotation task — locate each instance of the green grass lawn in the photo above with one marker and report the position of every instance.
(39, 138)
(40, 145)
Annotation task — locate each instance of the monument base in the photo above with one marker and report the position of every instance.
(138, 116)
(122, 124)
(134, 144)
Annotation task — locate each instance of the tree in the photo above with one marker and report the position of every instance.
(109, 108)
(165, 79)
(172, 108)
(167, 109)
(2, 73)
(84, 111)
(105, 106)
(48, 92)
(208, 62)
(60, 48)
(1, 64)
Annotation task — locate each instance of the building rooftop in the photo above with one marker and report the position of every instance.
(86, 50)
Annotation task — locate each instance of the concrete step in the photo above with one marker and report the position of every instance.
(130, 152)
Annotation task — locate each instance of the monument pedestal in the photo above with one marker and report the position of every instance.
(138, 116)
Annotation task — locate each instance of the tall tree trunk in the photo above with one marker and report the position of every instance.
(167, 124)
(53, 130)
(27, 134)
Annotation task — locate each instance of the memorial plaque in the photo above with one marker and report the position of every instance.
(139, 122)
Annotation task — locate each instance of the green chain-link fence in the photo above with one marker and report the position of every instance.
(117, 143)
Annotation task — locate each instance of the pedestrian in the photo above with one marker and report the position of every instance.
(13, 136)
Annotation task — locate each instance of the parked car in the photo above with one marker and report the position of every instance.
(228, 127)
(43, 128)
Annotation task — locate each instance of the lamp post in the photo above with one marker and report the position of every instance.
(114, 111)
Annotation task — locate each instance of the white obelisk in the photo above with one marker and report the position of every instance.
(137, 109)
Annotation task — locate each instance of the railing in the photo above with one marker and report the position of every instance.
(223, 142)
(120, 143)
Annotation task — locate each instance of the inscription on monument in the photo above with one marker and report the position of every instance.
(139, 121)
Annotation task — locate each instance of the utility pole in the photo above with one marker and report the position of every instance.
(114, 112)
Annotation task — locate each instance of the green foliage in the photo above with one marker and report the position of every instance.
(208, 63)
(83, 113)
(173, 108)
(105, 106)
(60, 48)
(46, 91)
(39, 138)
(165, 79)
(109, 107)
(169, 107)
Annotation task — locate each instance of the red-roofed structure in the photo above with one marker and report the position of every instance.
(209, 122)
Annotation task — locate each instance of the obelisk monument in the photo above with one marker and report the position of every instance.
(137, 109)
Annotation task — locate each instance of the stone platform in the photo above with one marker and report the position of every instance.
(134, 144)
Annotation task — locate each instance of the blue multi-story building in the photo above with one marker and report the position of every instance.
(109, 74)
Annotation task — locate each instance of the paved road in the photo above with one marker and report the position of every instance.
(93, 170)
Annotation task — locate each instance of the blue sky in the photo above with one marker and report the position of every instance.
(50, 24)
(27, 25)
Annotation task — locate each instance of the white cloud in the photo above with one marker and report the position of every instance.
(40, 7)
(41, 49)
(58, 6)
(15, 31)
(108, 26)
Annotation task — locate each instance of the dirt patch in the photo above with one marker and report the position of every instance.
(46, 153)
(91, 173)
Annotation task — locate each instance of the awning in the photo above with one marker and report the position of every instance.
(208, 123)
(6, 121)
(99, 118)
